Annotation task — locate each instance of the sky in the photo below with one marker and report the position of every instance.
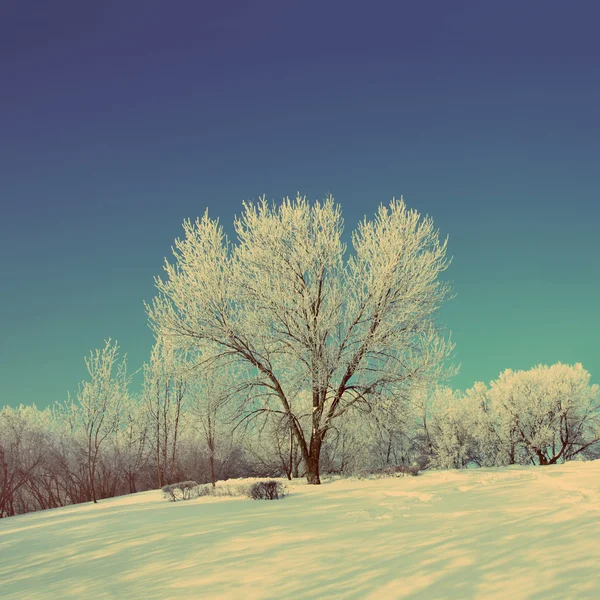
(118, 120)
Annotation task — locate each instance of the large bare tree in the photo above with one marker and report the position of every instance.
(288, 301)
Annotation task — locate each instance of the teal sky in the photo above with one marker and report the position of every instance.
(119, 120)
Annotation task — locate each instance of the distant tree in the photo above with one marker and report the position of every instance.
(22, 450)
(351, 444)
(288, 303)
(498, 438)
(132, 440)
(273, 446)
(164, 393)
(552, 413)
(213, 395)
(394, 430)
(97, 408)
(69, 460)
(449, 422)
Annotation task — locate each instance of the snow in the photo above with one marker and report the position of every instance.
(518, 532)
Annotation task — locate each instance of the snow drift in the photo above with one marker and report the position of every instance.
(517, 532)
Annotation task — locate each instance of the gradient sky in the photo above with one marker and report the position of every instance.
(120, 119)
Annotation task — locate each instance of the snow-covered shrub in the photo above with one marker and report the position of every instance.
(169, 493)
(227, 489)
(266, 490)
(184, 490)
(202, 490)
(400, 470)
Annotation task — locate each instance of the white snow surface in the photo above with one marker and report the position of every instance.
(518, 532)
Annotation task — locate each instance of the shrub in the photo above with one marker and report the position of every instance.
(266, 490)
(203, 490)
(400, 470)
(228, 489)
(169, 493)
(184, 490)
(361, 474)
(412, 470)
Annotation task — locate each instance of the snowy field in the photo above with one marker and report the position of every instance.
(520, 532)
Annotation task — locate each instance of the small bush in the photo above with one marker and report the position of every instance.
(227, 489)
(400, 470)
(203, 490)
(188, 488)
(184, 490)
(266, 490)
(169, 493)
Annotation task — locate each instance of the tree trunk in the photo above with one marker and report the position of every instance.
(211, 459)
(312, 466)
(210, 439)
(132, 486)
(176, 427)
(92, 475)
(312, 472)
(159, 480)
(297, 460)
(290, 469)
(511, 455)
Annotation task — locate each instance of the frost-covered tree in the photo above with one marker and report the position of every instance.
(553, 413)
(349, 446)
(97, 409)
(23, 447)
(449, 423)
(301, 314)
(69, 460)
(131, 442)
(498, 439)
(380, 437)
(213, 394)
(164, 392)
(394, 429)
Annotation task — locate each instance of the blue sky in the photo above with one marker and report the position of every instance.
(120, 119)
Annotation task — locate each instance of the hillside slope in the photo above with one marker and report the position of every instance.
(519, 532)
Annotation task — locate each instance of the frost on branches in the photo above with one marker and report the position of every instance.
(547, 414)
(288, 305)
(164, 394)
(97, 411)
(543, 416)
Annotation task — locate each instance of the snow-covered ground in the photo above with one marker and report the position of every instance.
(520, 532)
